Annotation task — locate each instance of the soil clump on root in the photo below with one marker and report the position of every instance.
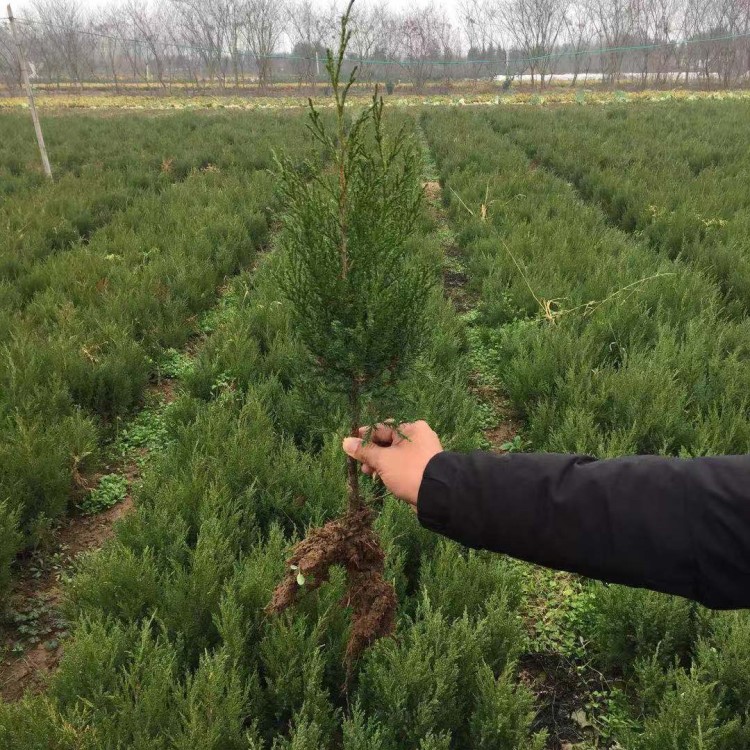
(350, 542)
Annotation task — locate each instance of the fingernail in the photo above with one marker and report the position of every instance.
(350, 445)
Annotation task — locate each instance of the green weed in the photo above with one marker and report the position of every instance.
(112, 489)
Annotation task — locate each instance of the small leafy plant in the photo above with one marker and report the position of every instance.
(516, 445)
(112, 489)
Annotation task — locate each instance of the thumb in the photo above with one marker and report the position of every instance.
(367, 454)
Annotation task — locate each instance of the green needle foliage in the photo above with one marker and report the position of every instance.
(358, 298)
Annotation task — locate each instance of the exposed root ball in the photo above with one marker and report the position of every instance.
(348, 541)
(374, 603)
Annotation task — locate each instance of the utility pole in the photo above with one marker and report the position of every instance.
(30, 94)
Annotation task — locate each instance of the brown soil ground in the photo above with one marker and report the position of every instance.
(37, 592)
(432, 191)
(249, 88)
(39, 588)
(558, 687)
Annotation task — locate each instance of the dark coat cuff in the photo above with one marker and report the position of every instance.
(434, 501)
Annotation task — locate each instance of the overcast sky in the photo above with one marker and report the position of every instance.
(20, 5)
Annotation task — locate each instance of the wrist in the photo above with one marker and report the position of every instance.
(433, 497)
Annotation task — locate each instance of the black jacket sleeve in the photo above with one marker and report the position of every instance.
(681, 526)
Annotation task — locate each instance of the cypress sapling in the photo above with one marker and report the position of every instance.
(358, 300)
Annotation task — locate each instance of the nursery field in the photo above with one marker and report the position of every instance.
(462, 93)
(589, 277)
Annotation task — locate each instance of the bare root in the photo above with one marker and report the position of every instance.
(348, 541)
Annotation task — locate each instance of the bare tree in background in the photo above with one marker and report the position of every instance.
(107, 23)
(123, 52)
(45, 52)
(664, 23)
(9, 71)
(62, 25)
(235, 10)
(480, 21)
(535, 26)
(694, 53)
(744, 41)
(148, 24)
(425, 41)
(614, 24)
(330, 18)
(370, 37)
(204, 29)
(307, 29)
(417, 47)
(578, 33)
(449, 40)
(654, 25)
(264, 25)
(729, 18)
(209, 41)
(388, 48)
(642, 38)
(707, 25)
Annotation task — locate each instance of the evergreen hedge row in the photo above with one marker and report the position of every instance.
(675, 174)
(84, 322)
(172, 647)
(653, 366)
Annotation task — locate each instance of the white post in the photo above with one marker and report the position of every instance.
(30, 94)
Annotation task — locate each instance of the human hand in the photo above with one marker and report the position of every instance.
(398, 455)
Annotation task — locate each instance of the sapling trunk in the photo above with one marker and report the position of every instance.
(355, 412)
(357, 298)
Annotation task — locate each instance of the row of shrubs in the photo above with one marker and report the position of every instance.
(101, 166)
(635, 353)
(172, 647)
(597, 360)
(676, 174)
(134, 146)
(84, 327)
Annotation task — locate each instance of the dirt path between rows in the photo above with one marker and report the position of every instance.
(36, 597)
(506, 424)
(559, 688)
(31, 639)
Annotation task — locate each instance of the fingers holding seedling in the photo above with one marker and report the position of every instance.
(383, 435)
(395, 453)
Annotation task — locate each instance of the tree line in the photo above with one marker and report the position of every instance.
(233, 43)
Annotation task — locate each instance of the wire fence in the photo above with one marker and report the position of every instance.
(61, 58)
